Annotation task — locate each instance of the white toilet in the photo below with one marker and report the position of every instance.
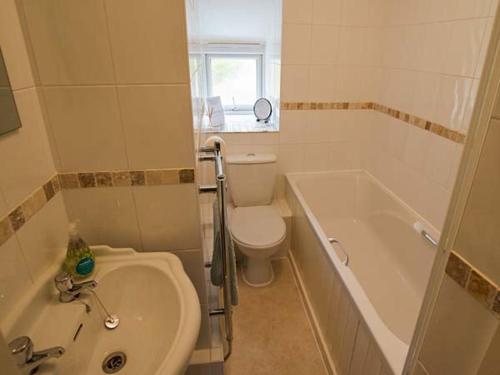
(257, 228)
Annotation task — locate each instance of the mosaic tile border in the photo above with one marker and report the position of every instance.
(146, 177)
(20, 215)
(474, 282)
(419, 122)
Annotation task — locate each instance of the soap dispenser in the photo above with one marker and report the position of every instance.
(80, 259)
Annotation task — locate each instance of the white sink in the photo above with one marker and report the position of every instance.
(156, 302)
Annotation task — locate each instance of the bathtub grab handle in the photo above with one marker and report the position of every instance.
(333, 240)
(429, 238)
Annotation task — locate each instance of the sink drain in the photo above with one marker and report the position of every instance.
(114, 362)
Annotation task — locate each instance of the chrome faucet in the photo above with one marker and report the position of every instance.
(69, 290)
(26, 358)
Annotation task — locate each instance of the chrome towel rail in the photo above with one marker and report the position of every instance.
(208, 153)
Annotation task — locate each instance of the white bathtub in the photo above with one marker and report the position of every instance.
(365, 310)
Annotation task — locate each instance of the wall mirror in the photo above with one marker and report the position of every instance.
(9, 117)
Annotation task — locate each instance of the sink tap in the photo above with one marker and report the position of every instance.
(26, 358)
(69, 290)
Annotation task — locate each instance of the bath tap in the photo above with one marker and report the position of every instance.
(69, 290)
(27, 359)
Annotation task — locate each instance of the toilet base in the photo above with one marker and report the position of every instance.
(258, 272)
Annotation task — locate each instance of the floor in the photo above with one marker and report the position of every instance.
(272, 334)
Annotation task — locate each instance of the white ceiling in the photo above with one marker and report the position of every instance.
(239, 20)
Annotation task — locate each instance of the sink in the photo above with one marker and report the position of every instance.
(154, 299)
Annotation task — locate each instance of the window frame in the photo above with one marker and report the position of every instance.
(258, 57)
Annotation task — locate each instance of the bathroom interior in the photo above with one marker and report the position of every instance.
(210, 187)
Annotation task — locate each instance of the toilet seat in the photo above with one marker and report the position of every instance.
(257, 226)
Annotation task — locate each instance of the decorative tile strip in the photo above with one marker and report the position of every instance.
(147, 177)
(474, 282)
(82, 180)
(430, 126)
(28, 208)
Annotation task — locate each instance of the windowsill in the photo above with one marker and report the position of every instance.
(240, 123)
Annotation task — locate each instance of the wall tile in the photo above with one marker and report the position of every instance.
(168, 217)
(294, 83)
(26, 150)
(106, 216)
(14, 275)
(70, 41)
(14, 48)
(297, 11)
(324, 83)
(464, 47)
(291, 158)
(316, 156)
(296, 44)
(293, 125)
(149, 43)
(85, 122)
(43, 239)
(324, 47)
(327, 12)
(157, 123)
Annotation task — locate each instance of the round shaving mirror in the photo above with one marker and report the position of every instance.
(263, 109)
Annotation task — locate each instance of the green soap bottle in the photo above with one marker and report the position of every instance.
(80, 259)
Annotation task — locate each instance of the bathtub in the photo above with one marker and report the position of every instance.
(362, 266)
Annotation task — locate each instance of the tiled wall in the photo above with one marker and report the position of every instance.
(432, 59)
(111, 78)
(27, 164)
(421, 58)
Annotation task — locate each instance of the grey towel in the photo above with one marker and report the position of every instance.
(217, 270)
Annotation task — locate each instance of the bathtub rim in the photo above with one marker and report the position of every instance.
(392, 347)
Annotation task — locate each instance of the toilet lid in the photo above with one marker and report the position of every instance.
(258, 226)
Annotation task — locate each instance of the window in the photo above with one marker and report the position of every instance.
(237, 79)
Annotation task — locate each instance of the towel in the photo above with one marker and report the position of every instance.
(217, 270)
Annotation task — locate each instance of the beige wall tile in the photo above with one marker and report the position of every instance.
(459, 333)
(86, 125)
(327, 12)
(296, 44)
(149, 42)
(325, 42)
(324, 83)
(294, 83)
(70, 41)
(464, 47)
(14, 275)
(43, 239)
(157, 123)
(293, 126)
(168, 217)
(14, 47)
(106, 216)
(297, 11)
(26, 154)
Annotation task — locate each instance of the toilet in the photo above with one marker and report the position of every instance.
(257, 228)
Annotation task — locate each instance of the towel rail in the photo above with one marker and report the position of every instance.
(214, 154)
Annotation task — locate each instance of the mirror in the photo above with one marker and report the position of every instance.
(263, 109)
(9, 118)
